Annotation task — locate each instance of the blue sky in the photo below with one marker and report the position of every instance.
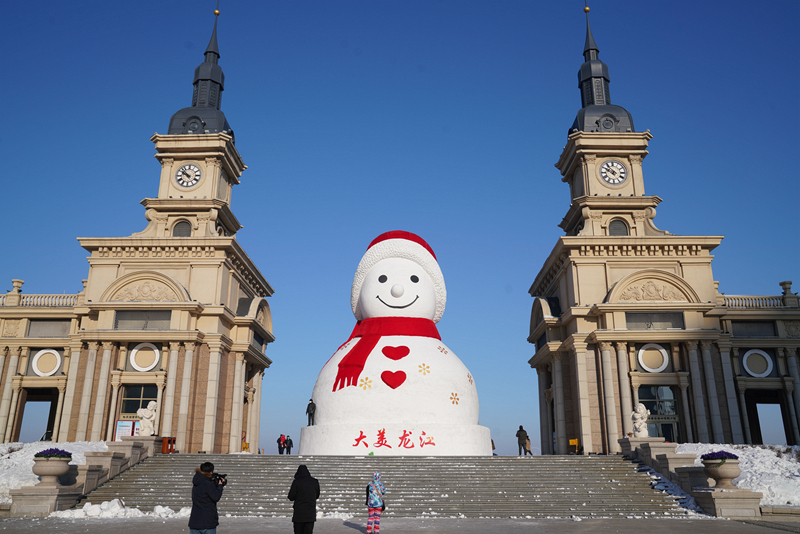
(443, 118)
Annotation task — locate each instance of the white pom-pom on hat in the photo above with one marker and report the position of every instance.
(400, 244)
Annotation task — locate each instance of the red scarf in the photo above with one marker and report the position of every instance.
(370, 331)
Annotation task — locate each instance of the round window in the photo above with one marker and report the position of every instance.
(46, 362)
(144, 357)
(757, 363)
(653, 358)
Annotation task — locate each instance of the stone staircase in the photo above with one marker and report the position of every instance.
(498, 486)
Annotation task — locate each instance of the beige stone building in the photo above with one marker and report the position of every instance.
(625, 313)
(175, 314)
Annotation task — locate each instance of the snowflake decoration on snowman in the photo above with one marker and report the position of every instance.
(398, 295)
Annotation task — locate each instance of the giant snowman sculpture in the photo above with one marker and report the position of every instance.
(394, 389)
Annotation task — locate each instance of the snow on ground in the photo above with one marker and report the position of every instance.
(770, 469)
(116, 508)
(16, 462)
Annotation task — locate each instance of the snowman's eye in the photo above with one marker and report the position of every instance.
(414, 278)
(382, 278)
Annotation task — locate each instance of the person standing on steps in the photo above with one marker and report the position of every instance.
(375, 503)
(281, 444)
(528, 447)
(522, 437)
(206, 492)
(288, 444)
(304, 492)
(310, 409)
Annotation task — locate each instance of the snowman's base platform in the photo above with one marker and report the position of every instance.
(412, 439)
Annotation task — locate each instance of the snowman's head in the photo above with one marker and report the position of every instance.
(398, 277)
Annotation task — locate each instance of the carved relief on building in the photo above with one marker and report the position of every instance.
(652, 291)
(11, 328)
(261, 317)
(792, 329)
(147, 290)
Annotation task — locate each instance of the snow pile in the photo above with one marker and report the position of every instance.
(16, 462)
(663, 485)
(774, 471)
(116, 509)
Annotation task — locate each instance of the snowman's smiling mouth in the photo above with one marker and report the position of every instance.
(398, 307)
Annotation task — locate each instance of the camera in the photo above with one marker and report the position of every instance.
(217, 479)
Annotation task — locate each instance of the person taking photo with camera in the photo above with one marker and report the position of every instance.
(206, 492)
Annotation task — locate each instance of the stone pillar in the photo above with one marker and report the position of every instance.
(160, 402)
(543, 435)
(624, 387)
(635, 389)
(791, 359)
(235, 439)
(711, 388)
(86, 394)
(788, 385)
(562, 444)
(102, 391)
(250, 396)
(212, 390)
(741, 387)
(3, 354)
(610, 401)
(69, 395)
(112, 407)
(258, 383)
(676, 357)
(5, 404)
(687, 416)
(582, 395)
(730, 392)
(169, 397)
(186, 386)
(548, 397)
(9, 430)
(59, 407)
(697, 393)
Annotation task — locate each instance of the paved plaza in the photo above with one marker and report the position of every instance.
(243, 525)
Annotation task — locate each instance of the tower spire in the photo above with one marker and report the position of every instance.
(204, 115)
(597, 113)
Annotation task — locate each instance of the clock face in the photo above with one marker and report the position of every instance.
(188, 175)
(613, 172)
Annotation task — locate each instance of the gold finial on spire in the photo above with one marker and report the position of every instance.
(216, 11)
(586, 9)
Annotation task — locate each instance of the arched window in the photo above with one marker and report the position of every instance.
(617, 227)
(182, 229)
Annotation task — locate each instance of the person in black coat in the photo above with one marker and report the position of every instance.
(205, 495)
(288, 444)
(304, 492)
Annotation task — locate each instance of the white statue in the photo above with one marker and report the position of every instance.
(147, 419)
(639, 416)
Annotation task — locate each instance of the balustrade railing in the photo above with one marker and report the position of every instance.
(753, 301)
(42, 301)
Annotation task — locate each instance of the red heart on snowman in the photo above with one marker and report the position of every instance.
(393, 380)
(395, 353)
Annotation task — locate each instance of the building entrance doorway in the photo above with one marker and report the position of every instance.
(36, 414)
(755, 397)
(663, 405)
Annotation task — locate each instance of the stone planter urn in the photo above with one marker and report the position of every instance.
(49, 469)
(723, 472)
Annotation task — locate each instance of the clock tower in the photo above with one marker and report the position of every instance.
(602, 162)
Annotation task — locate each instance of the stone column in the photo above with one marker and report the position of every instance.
(741, 387)
(543, 435)
(788, 385)
(212, 391)
(562, 443)
(635, 388)
(684, 384)
(548, 396)
(69, 395)
(59, 406)
(697, 392)
(235, 439)
(624, 387)
(3, 354)
(582, 395)
(258, 383)
(711, 388)
(160, 402)
(102, 391)
(791, 359)
(112, 408)
(169, 397)
(730, 392)
(9, 430)
(186, 386)
(5, 404)
(609, 399)
(250, 395)
(86, 394)
(676, 357)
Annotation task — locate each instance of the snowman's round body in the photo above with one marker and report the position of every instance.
(395, 388)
